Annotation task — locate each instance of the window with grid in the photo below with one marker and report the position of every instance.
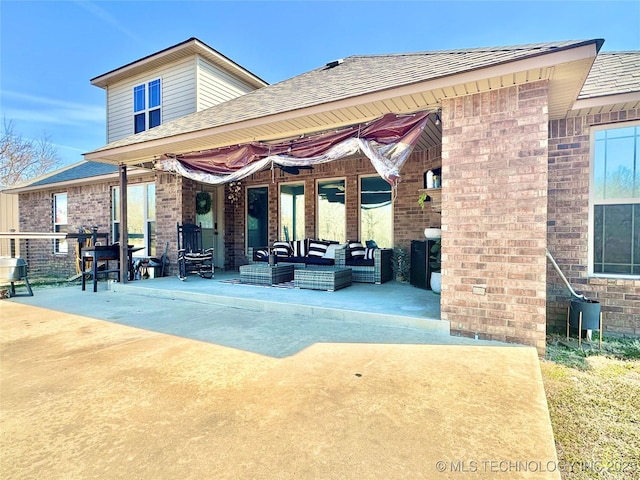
(147, 99)
(615, 190)
(141, 217)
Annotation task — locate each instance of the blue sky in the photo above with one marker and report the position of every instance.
(49, 50)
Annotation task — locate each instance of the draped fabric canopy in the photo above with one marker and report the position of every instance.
(386, 141)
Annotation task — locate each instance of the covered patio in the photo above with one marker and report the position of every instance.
(391, 304)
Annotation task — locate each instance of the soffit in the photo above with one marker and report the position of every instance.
(566, 71)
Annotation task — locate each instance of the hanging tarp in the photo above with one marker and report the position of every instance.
(386, 141)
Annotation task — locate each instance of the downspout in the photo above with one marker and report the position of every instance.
(564, 279)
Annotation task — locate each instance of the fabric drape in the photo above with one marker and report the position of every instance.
(386, 141)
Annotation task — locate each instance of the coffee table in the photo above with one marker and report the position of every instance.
(329, 279)
(264, 274)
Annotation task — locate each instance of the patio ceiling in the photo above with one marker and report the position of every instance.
(566, 70)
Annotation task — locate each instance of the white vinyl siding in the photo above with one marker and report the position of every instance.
(216, 86)
(178, 97)
(190, 85)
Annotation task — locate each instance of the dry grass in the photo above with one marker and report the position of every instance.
(594, 403)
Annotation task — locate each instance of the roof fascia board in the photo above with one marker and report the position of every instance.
(201, 49)
(606, 100)
(547, 60)
(100, 80)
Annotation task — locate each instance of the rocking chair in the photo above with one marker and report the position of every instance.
(192, 258)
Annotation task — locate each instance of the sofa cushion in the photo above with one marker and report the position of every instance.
(360, 262)
(282, 249)
(311, 260)
(317, 248)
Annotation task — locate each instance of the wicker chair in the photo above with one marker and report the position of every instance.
(381, 271)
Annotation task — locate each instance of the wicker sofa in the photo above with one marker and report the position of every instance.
(300, 253)
(377, 268)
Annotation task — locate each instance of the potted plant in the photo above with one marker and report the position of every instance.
(401, 264)
(435, 264)
(421, 199)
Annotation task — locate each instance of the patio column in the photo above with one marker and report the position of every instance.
(124, 238)
(494, 214)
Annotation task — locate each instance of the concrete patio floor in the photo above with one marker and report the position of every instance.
(124, 384)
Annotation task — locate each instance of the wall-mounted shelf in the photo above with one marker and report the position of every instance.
(434, 197)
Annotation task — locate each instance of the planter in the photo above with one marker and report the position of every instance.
(432, 233)
(436, 282)
(590, 310)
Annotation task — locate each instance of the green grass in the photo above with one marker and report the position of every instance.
(594, 404)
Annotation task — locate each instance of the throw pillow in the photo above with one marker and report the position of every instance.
(282, 249)
(368, 253)
(317, 248)
(261, 253)
(331, 250)
(299, 248)
(356, 249)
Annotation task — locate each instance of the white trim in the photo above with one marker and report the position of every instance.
(606, 100)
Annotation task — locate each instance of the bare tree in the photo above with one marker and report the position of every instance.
(22, 159)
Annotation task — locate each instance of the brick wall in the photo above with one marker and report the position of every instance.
(169, 203)
(494, 214)
(88, 205)
(409, 219)
(568, 230)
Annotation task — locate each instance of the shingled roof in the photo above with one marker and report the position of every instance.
(352, 77)
(81, 170)
(613, 73)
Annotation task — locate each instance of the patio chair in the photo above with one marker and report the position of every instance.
(192, 258)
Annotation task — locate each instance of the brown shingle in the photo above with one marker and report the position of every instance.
(356, 75)
(613, 73)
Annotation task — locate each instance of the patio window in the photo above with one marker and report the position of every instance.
(147, 99)
(257, 217)
(292, 211)
(332, 213)
(376, 211)
(615, 192)
(60, 220)
(141, 217)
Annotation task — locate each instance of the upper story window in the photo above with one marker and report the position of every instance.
(147, 111)
(60, 220)
(615, 193)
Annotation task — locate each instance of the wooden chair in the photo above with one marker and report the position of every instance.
(192, 257)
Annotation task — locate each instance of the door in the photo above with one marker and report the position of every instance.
(211, 227)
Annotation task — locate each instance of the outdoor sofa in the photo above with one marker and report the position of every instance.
(368, 264)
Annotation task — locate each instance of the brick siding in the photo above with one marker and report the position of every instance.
(568, 229)
(494, 213)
